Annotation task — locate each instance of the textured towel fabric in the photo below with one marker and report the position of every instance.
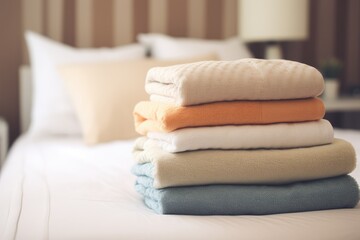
(276, 166)
(245, 79)
(339, 192)
(163, 117)
(280, 135)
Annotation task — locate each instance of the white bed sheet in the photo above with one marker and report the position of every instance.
(57, 188)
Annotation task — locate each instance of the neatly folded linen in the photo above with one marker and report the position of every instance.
(339, 192)
(245, 79)
(275, 166)
(163, 117)
(280, 135)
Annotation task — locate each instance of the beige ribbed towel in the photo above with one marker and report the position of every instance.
(244, 166)
(244, 79)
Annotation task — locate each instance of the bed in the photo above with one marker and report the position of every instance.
(57, 187)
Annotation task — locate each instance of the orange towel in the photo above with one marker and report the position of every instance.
(164, 117)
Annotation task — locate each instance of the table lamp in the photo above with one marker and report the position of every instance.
(272, 21)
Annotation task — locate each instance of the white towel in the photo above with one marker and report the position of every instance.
(244, 79)
(283, 135)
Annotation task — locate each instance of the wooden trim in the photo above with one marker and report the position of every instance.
(157, 16)
(141, 17)
(177, 15)
(83, 23)
(196, 18)
(214, 19)
(103, 23)
(309, 52)
(69, 22)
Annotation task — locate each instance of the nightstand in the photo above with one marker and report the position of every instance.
(4, 140)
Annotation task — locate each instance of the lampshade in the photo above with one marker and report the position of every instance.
(273, 20)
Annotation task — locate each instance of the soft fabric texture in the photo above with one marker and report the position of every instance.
(105, 93)
(340, 192)
(52, 110)
(244, 79)
(164, 117)
(57, 188)
(276, 166)
(280, 135)
(166, 47)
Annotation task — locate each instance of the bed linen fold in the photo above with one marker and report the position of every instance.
(275, 166)
(163, 117)
(331, 193)
(280, 135)
(244, 79)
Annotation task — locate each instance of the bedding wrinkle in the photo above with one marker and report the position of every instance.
(20, 210)
(47, 187)
(36, 176)
(11, 192)
(18, 201)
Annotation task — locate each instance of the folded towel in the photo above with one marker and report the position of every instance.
(339, 192)
(280, 135)
(245, 79)
(273, 166)
(162, 117)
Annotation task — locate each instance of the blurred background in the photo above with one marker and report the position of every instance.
(321, 33)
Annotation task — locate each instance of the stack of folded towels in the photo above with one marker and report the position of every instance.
(239, 137)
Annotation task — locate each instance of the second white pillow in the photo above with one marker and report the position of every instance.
(166, 47)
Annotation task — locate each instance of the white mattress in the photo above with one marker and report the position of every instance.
(57, 188)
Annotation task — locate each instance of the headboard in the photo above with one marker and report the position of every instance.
(25, 90)
(95, 23)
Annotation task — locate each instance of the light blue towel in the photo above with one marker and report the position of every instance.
(330, 193)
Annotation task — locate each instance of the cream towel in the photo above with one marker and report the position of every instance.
(244, 79)
(243, 166)
(283, 135)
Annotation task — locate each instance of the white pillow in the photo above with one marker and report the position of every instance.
(52, 110)
(166, 47)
